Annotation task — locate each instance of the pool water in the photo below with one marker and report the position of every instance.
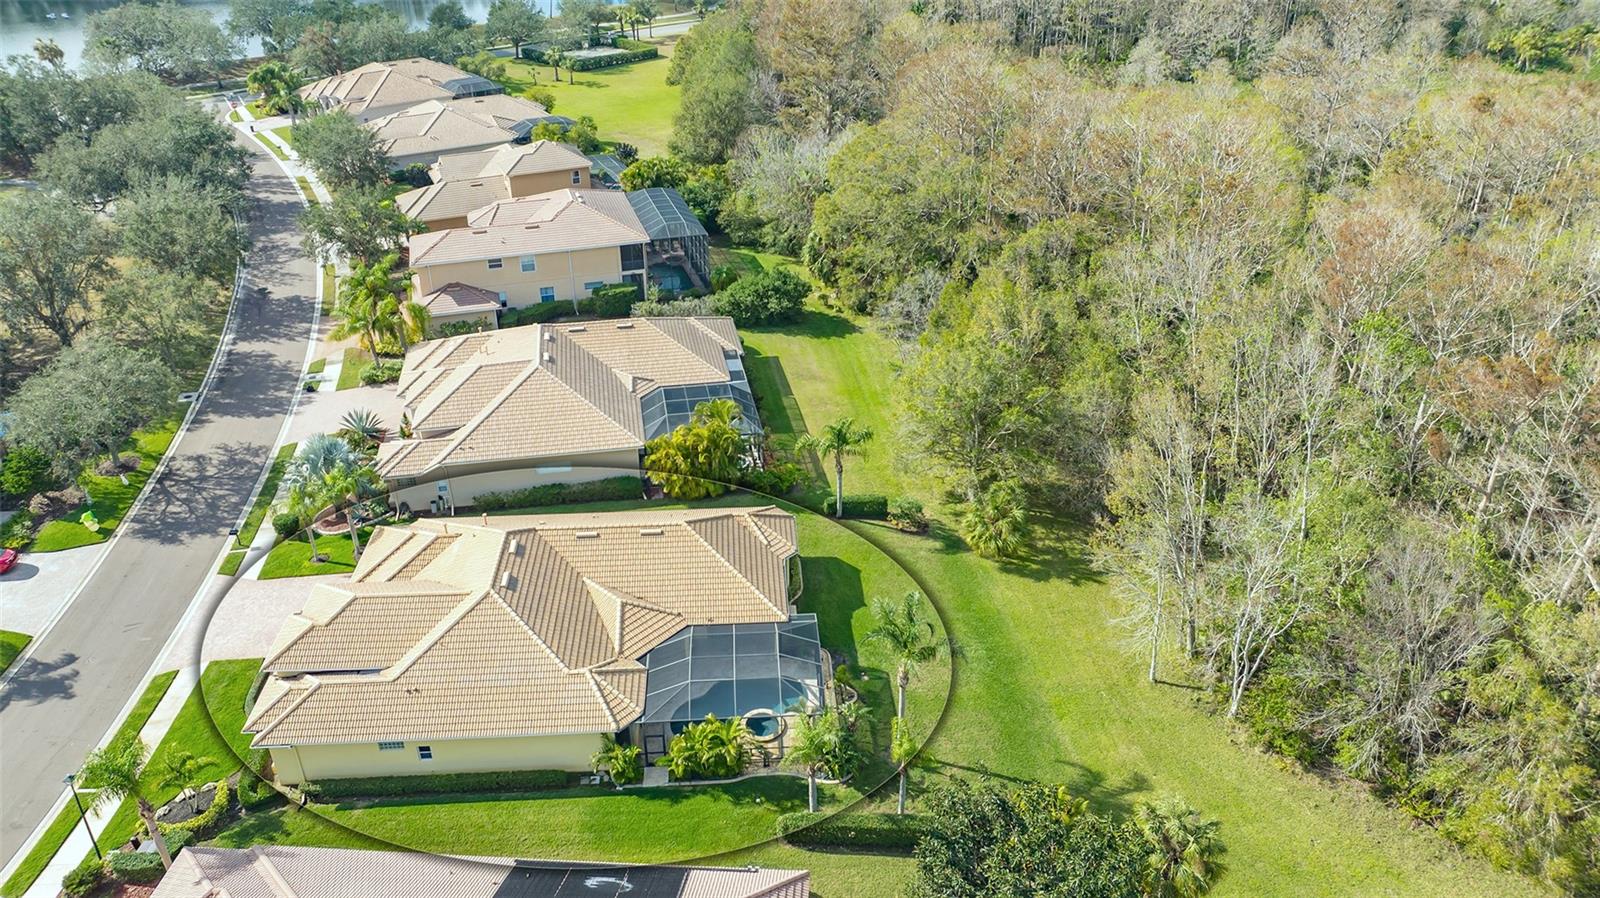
(763, 727)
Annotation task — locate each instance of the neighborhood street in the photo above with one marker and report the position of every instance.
(66, 695)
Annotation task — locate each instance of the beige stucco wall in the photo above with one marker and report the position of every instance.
(567, 272)
(295, 765)
(465, 484)
(544, 182)
(444, 224)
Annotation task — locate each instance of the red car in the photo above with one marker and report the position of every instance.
(8, 559)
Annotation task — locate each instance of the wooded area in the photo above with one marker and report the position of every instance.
(1297, 301)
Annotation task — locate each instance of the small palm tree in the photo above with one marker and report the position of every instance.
(842, 437)
(362, 430)
(557, 59)
(49, 52)
(1184, 848)
(816, 739)
(621, 762)
(278, 85)
(996, 525)
(910, 636)
(350, 484)
(180, 770)
(369, 305)
(304, 478)
(116, 769)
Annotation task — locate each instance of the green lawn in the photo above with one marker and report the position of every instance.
(305, 187)
(356, 361)
(284, 135)
(330, 289)
(231, 563)
(272, 148)
(58, 830)
(11, 645)
(292, 558)
(234, 116)
(631, 103)
(109, 497)
(263, 500)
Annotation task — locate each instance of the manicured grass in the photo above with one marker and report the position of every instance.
(51, 840)
(1047, 689)
(292, 558)
(263, 500)
(207, 726)
(231, 562)
(234, 116)
(317, 366)
(305, 187)
(631, 103)
(110, 498)
(330, 289)
(11, 645)
(272, 147)
(356, 361)
(284, 135)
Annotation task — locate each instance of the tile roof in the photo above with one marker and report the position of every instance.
(546, 390)
(386, 84)
(434, 127)
(515, 626)
(288, 871)
(559, 221)
(455, 297)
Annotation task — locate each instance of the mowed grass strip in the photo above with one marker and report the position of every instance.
(629, 103)
(11, 645)
(56, 833)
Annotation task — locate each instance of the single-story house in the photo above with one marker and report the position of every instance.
(563, 244)
(420, 134)
(519, 642)
(553, 403)
(380, 88)
(465, 182)
(293, 871)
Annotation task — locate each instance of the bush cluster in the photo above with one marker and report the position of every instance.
(906, 513)
(205, 820)
(590, 63)
(608, 490)
(135, 866)
(771, 297)
(386, 371)
(85, 878)
(777, 479)
(285, 524)
(873, 506)
(885, 832)
(17, 531)
(437, 783)
(610, 301)
(256, 793)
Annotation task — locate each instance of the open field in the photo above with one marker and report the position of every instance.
(629, 103)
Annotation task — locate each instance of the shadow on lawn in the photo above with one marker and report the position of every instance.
(781, 793)
(1056, 551)
(833, 590)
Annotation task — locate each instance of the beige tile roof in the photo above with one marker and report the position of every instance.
(449, 199)
(557, 221)
(513, 626)
(292, 871)
(385, 84)
(434, 127)
(503, 111)
(546, 391)
(455, 298)
(513, 159)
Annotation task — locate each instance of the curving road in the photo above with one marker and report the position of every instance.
(69, 691)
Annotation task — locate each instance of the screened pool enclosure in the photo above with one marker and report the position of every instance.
(732, 670)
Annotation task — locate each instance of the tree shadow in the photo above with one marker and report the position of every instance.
(834, 592)
(35, 680)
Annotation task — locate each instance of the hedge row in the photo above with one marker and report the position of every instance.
(866, 505)
(433, 784)
(610, 301)
(135, 866)
(203, 821)
(890, 832)
(608, 490)
(589, 63)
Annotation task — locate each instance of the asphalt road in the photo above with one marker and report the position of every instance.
(64, 698)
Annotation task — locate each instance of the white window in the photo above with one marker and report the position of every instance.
(577, 176)
(527, 263)
(547, 294)
(552, 469)
(391, 746)
(424, 752)
(592, 286)
(495, 264)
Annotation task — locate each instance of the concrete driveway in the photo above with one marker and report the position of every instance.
(320, 412)
(245, 621)
(32, 592)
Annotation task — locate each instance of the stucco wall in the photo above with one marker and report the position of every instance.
(544, 182)
(444, 224)
(566, 272)
(466, 484)
(295, 765)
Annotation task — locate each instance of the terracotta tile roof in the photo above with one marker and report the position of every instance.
(288, 871)
(545, 391)
(514, 626)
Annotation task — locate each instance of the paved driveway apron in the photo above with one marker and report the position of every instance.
(81, 674)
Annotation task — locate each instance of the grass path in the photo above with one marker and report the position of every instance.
(1045, 689)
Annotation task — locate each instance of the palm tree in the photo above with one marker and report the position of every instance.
(643, 11)
(557, 59)
(1184, 848)
(350, 484)
(306, 475)
(49, 52)
(902, 751)
(620, 762)
(369, 305)
(362, 430)
(116, 769)
(910, 636)
(278, 85)
(996, 525)
(842, 437)
(816, 738)
(180, 770)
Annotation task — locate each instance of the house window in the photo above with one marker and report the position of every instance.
(592, 286)
(577, 176)
(496, 264)
(552, 469)
(547, 294)
(632, 257)
(391, 746)
(424, 752)
(527, 263)
(504, 298)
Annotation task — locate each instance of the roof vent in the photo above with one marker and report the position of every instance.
(549, 336)
(530, 227)
(505, 579)
(577, 330)
(549, 358)
(515, 547)
(476, 184)
(651, 531)
(587, 534)
(480, 231)
(624, 325)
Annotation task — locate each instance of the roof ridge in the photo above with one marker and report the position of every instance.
(264, 866)
(578, 393)
(688, 525)
(312, 684)
(538, 640)
(594, 683)
(471, 426)
(432, 637)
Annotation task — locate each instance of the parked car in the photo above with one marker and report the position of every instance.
(8, 559)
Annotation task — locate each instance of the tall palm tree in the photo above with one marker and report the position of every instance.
(116, 769)
(305, 477)
(350, 484)
(902, 751)
(557, 59)
(910, 636)
(815, 740)
(644, 11)
(369, 305)
(278, 84)
(1184, 848)
(842, 437)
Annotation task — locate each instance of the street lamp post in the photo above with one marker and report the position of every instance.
(83, 815)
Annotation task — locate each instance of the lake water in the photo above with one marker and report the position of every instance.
(24, 21)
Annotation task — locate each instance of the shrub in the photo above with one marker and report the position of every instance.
(85, 878)
(688, 306)
(25, 471)
(457, 328)
(256, 793)
(885, 832)
(17, 531)
(623, 763)
(135, 866)
(774, 480)
(872, 506)
(607, 490)
(906, 513)
(544, 96)
(710, 749)
(773, 296)
(206, 820)
(438, 783)
(996, 526)
(386, 371)
(285, 525)
(589, 63)
(610, 301)
(724, 276)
